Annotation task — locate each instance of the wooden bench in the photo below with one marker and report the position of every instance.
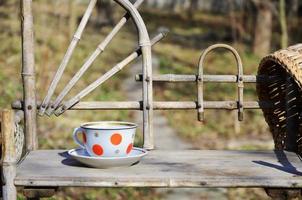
(191, 168)
(40, 172)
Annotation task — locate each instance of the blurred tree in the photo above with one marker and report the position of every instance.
(283, 24)
(219, 6)
(293, 7)
(192, 8)
(105, 13)
(172, 5)
(2, 2)
(233, 20)
(242, 15)
(263, 27)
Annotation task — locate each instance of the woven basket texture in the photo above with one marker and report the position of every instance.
(284, 90)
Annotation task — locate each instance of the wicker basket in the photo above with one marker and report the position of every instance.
(284, 89)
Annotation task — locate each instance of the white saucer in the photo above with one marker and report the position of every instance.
(83, 157)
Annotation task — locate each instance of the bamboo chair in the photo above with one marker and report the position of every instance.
(40, 172)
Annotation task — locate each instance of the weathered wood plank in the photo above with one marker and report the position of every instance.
(9, 191)
(191, 168)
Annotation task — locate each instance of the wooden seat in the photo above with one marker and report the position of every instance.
(193, 168)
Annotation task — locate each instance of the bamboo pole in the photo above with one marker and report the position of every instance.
(98, 51)
(117, 68)
(9, 191)
(200, 86)
(148, 99)
(237, 126)
(145, 44)
(210, 78)
(76, 38)
(28, 75)
(162, 105)
(239, 80)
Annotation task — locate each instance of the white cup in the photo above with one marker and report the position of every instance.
(106, 138)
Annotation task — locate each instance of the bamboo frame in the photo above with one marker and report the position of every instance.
(209, 78)
(9, 160)
(28, 75)
(145, 44)
(98, 51)
(117, 68)
(161, 105)
(239, 79)
(76, 38)
(200, 96)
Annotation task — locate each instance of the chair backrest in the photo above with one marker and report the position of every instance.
(147, 105)
(30, 105)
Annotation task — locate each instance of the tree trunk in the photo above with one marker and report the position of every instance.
(172, 5)
(233, 20)
(2, 2)
(192, 8)
(293, 7)
(263, 28)
(105, 13)
(283, 24)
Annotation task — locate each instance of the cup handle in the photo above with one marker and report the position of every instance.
(75, 137)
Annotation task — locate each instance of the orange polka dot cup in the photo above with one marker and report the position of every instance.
(106, 139)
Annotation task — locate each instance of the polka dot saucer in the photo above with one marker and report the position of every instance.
(132, 158)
